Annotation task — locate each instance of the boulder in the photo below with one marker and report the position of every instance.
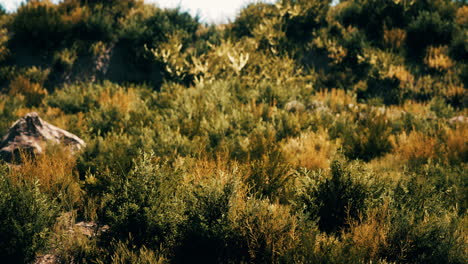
(458, 120)
(294, 106)
(31, 134)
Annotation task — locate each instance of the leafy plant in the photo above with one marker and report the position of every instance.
(27, 215)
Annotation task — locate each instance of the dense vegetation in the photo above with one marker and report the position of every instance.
(298, 133)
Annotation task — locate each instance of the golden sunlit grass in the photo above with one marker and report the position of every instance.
(457, 144)
(335, 98)
(416, 147)
(124, 100)
(394, 38)
(437, 58)
(31, 92)
(271, 229)
(369, 236)
(400, 73)
(311, 150)
(55, 172)
(462, 16)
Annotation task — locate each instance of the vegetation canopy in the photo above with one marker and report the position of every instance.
(299, 132)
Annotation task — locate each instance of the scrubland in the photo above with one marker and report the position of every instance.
(300, 132)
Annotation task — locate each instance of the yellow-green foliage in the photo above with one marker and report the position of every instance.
(269, 228)
(31, 93)
(416, 147)
(457, 144)
(54, 172)
(438, 59)
(300, 132)
(310, 150)
(394, 38)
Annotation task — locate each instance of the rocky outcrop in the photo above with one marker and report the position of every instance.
(31, 134)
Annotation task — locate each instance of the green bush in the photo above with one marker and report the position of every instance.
(426, 30)
(270, 176)
(26, 216)
(366, 137)
(145, 204)
(337, 199)
(208, 235)
(38, 25)
(423, 230)
(249, 18)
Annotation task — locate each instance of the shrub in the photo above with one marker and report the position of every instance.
(54, 171)
(249, 18)
(367, 137)
(438, 59)
(416, 148)
(423, 230)
(145, 204)
(31, 92)
(374, 16)
(208, 236)
(394, 38)
(426, 30)
(269, 176)
(310, 150)
(38, 25)
(368, 235)
(125, 252)
(441, 108)
(269, 229)
(65, 59)
(75, 98)
(299, 26)
(70, 242)
(337, 200)
(457, 145)
(26, 214)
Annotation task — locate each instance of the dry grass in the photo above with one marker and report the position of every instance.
(369, 236)
(335, 98)
(462, 16)
(457, 144)
(30, 92)
(394, 38)
(400, 73)
(416, 148)
(437, 58)
(416, 108)
(55, 172)
(271, 229)
(124, 100)
(311, 150)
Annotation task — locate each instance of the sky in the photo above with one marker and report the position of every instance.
(215, 11)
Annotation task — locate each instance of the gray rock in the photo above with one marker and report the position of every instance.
(294, 106)
(458, 120)
(31, 134)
